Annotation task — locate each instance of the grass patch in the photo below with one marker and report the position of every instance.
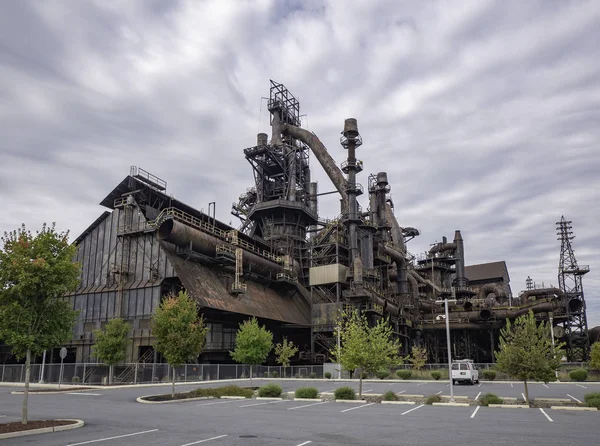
(593, 400)
(306, 392)
(390, 396)
(490, 398)
(433, 399)
(344, 393)
(270, 390)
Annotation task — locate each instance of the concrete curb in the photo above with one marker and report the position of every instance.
(351, 401)
(403, 395)
(143, 401)
(456, 397)
(308, 399)
(234, 398)
(553, 400)
(510, 406)
(45, 430)
(586, 409)
(452, 404)
(265, 398)
(398, 402)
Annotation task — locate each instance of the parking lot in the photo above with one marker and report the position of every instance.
(114, 418)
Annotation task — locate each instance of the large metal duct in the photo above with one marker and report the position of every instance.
(395, 229)
(180, 234)
(462, 326)
(401, 268)
(487, 313)
(540, 292)
(441, 247)
(311, 140)
(460, 257)
(488, 289)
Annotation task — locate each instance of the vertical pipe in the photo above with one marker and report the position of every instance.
(449, 353)
(460, 254)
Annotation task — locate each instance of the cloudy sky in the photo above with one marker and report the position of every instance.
(484, 114)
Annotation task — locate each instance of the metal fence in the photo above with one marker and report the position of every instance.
(92, 373)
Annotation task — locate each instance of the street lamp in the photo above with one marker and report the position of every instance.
(445, 301)
(552, 336)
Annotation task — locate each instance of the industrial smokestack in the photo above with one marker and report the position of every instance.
(261, 139)
(460, 257)
(350, 141)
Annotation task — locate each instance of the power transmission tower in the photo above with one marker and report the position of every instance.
(569, 280)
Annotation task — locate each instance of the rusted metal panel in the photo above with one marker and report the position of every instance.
(209, 291)
(324, 316)
(321, 275)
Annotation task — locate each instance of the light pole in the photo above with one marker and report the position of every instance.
(445, 301)
(552, 336)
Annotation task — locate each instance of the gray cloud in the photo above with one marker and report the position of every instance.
(484, 114)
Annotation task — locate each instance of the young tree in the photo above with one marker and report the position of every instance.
(526, 351)
(595, 356)
(284, 352)
(418, 358)
(111, 344)
(366, 348)
(178, 331)
(252, 344)
(35, 272)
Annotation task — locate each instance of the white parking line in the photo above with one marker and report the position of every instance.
(579, 385)
(302, 444)
(549, 419)
(439, 392)
(82, 393)
(220, 402)
(511, 384)
(545, 386)
(475, 412)
(414, 408)
(357, 407)
(523, 395)
(369, 390)
(398, 393)
(573, 398)
(477, 397)
(307, 405)
(328, 391)
(262, 404)
(479, 384)
(113, 438)
(422, 384)
(204, 441)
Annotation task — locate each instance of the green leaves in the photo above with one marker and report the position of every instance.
(111, 342)
(179, 332)
(252, 343)
(368, 348)
(35, 272)
(285, 351)
(526, 351)
(418, 357)
(595, 356)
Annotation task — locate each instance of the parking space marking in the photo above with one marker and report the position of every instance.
(439, 392)
(475, 412)
(328, 391)
(545, 386)
(422, 384)
(398, 393)
(511, 384)
(307, 405)
(549, 419)
(82, 393)
(262, 404)
(477, 397)
(410, 410)
(572, 397)
(369, 390)
(204, 441)
(302, 444)
(523, 395)
(579, 385)
(112, 438)
(220, 402)
(357, 407)
(479, 384)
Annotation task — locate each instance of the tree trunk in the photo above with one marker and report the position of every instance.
(526, 393)
(110, 374)
(360, 386)
(250, 375)
(173, 384)
(26, 392)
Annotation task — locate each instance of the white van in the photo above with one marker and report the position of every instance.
(464, 371)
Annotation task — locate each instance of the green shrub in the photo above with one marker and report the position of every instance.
(390, 396)
(218, 392)
(306, 392)
(490, 375)
(578, 374)
(265, 374)
(593, 400)
(270, 390)
(274, 374)
(327, 375)
(76, 379)
(433, 399)
(436, 375)
(490, 398)
(364, 375)
(404, 374)
(344, 393)
(297, 375)
(383, 374)
(312, 375)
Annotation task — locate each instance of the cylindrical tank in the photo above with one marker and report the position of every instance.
(350, 128)
(261, 139)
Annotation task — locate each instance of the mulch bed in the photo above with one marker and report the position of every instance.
(16, 426)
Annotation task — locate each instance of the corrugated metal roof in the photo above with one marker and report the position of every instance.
(209, 291)
(485, 271)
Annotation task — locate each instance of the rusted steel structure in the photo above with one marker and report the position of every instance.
(293, 269)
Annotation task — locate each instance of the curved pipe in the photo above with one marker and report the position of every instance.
(540, 292)
(462, 326)
(179, 234)
(491, 288)
(402, 271)
(396, 230)
(320, 151)
(441, 247)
